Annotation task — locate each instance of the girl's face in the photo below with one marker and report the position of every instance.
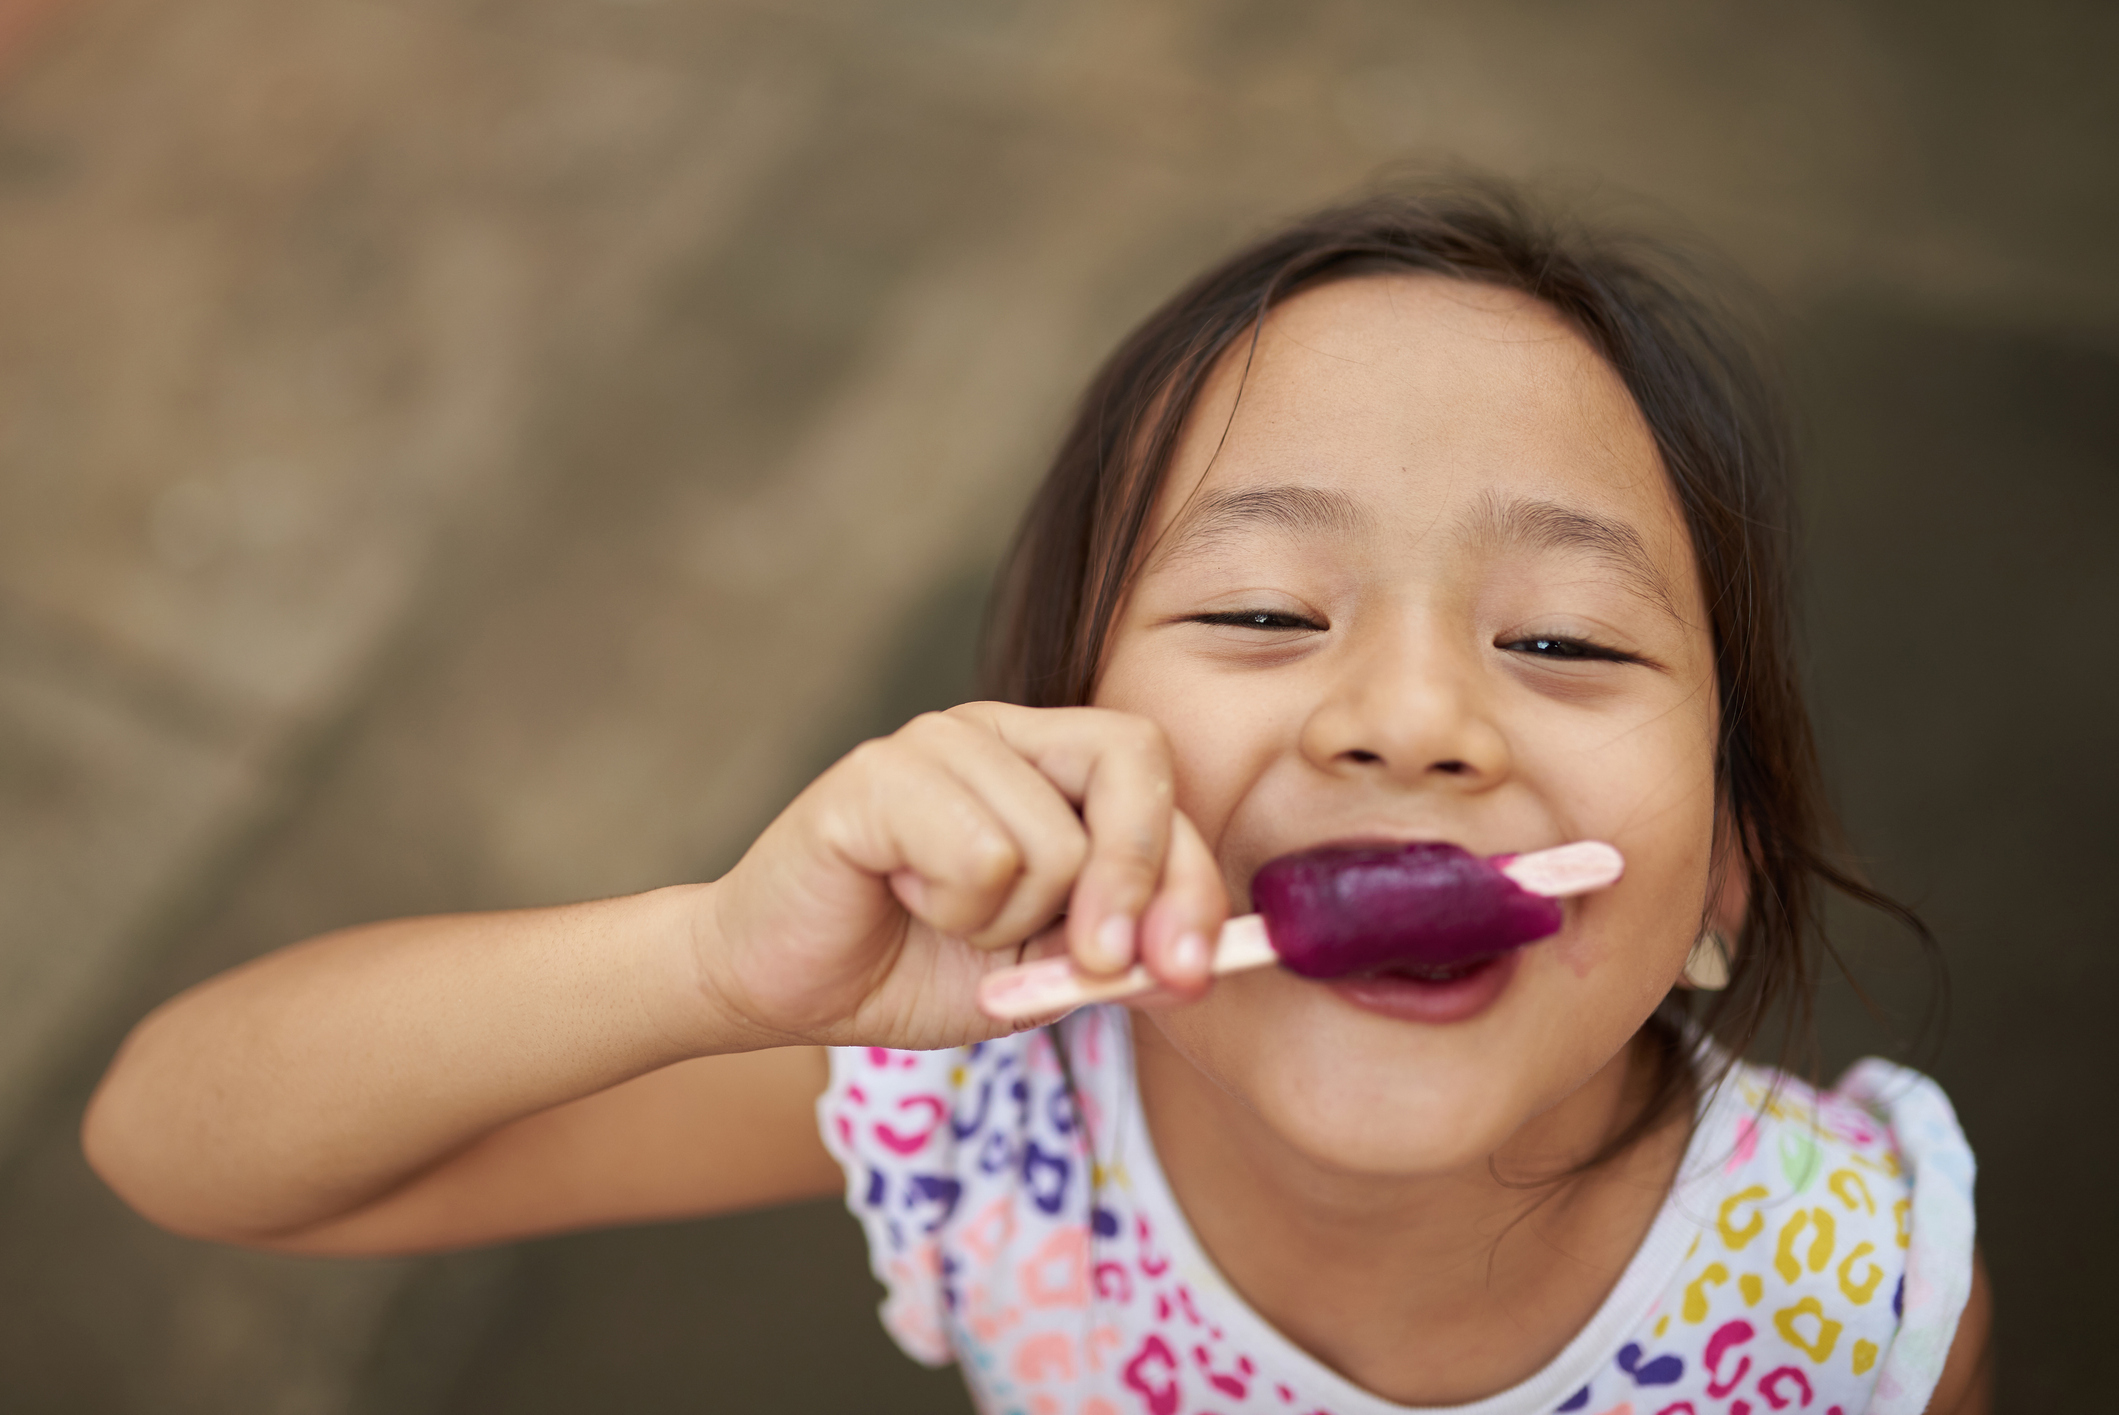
(1426, 580)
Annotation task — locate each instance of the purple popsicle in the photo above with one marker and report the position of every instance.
(1344, 909)
(1341, 909)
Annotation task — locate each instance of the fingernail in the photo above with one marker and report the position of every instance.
(1189, 954)
(1114, 942)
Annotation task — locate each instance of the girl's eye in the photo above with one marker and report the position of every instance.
(1544, 646)
(1258, 619)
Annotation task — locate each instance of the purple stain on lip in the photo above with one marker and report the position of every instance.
(1343, 909)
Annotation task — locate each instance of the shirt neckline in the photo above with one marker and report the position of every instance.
(1623, 1312)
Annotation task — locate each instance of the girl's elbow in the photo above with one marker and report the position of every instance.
(112, 1147)
(143, 1186)
(120, 1146)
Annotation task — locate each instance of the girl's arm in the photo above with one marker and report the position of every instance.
(429, 1083)
(709, 1136)
(1967, 1383)
(434, 1082)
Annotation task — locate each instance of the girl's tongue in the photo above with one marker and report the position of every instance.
(1423, 909)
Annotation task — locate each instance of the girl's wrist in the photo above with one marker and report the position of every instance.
(684, 997)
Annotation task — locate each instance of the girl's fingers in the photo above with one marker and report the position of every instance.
(1178, 931)
(986, 845)
(1116, 768)
(1049, 837)
(949, 857)
(1127, 808)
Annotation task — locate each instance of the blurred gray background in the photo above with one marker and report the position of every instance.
(460, 454)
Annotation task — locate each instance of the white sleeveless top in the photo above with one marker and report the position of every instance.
(1813, 1255)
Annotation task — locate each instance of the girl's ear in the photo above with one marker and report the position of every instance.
(1707, 967)
(1728, 878)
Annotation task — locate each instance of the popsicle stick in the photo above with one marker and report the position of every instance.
(1579, 868)
(1054, 985)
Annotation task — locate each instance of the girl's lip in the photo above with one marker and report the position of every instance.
(1434, 1003)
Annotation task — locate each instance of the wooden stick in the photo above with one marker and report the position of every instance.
(1052, 986)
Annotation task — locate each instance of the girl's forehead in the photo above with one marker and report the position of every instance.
(1412, 394)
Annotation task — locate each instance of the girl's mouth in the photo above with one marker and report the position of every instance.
(1435, 973)
(1432, 993)
(1408, 908)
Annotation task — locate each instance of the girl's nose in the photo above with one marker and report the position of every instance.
(1411, 714)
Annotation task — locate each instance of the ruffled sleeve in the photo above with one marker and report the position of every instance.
(1935, 1227)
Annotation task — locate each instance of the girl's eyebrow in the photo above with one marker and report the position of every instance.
(1548, 525)
(1216, 516)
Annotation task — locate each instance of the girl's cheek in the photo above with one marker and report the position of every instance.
(1582, 948)
(1633, 932)
(1214, 746)
(1658, 808)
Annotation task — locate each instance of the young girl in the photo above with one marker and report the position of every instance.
(1419, 521)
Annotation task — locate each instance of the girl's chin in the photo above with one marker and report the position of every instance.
(1435, 1002)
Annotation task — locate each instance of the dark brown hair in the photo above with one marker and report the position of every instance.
(1692, 365)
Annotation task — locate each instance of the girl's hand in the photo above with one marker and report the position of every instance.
(868, 911)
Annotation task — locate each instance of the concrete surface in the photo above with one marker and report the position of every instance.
(463, 454)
